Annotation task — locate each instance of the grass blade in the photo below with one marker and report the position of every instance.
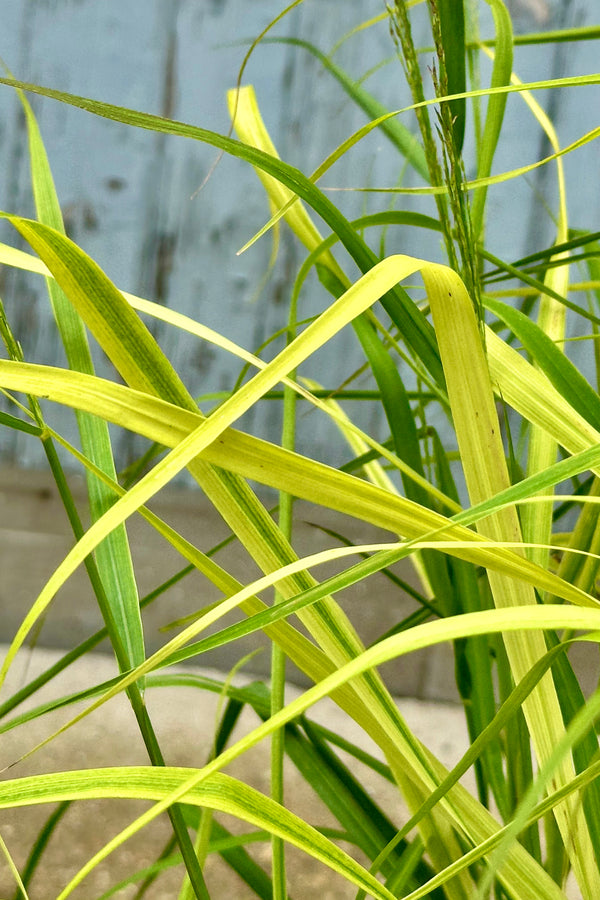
(113, 555)
(479, 439)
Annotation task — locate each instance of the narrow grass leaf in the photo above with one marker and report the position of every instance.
(561, 372)
(482, 453)
(219, 792)
(399, 135)
(113, 555)
(452, 28)
(501, 72)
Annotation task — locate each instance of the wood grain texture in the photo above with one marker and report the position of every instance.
(131, 199)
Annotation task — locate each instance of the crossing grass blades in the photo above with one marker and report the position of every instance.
(497, 512)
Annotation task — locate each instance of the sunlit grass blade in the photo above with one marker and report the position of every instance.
(531, 393)
(303, 477)
(513, 620)
(218, 792)
(566, 378)
(113, 556)
(482, 453)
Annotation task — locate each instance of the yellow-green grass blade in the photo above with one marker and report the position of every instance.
(482, 455)
(399, 135)
(285, 470)
(542, 451)
(113, 555)
(563, 35)
(245, 114)
(566, 378)
(219, 792)
(531, 394)
(250, 126)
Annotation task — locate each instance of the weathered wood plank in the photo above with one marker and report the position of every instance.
(131, 197)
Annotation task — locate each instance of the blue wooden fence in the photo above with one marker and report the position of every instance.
(131, 198)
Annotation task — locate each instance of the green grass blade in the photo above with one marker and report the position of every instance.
(20, 425)
(452, 30)
(503, 58)
(565, 377)
(220, 792)
(416, 329)
(400, 136)
(113, 555)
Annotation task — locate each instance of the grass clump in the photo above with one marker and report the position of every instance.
(496, 511)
